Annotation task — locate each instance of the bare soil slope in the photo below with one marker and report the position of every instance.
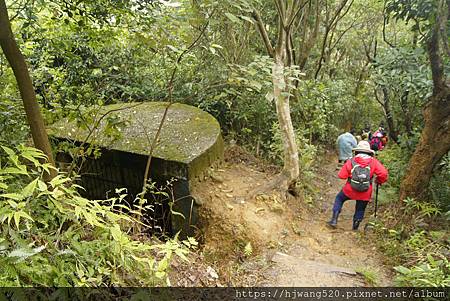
(268, 240)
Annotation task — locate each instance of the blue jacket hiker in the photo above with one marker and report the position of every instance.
(346, 142)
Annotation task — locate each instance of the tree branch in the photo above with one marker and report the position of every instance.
(384, 28)
(263, 32)
(19, 9)
(297, 11)
(166, 110)
(281, 8)
(329, 25)
(377, 98)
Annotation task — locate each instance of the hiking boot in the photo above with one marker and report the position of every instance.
(333, 222)
(356, 223)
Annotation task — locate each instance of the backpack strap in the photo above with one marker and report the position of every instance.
(352, 160)
(353, 165)
(371, 164)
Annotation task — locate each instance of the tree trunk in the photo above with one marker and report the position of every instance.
(433, 145)
(291, 163)
(389, 116)
(309, 36)
(283, 56)
(435, 139)
(406, 113)
(19, 66)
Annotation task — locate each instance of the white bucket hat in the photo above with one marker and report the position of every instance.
(363, 147)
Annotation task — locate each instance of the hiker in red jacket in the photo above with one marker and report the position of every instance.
(358, 172)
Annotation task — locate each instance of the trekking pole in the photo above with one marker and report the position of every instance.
(371, 225)
(376, 199)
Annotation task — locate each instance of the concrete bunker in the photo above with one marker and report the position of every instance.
(190, 142)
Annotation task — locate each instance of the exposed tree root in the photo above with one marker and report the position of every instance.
(280, 183)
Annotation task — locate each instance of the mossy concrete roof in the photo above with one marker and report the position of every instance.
(187, 132)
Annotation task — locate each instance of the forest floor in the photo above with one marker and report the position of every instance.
(267, 240)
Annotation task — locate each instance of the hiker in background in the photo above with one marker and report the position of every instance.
(384, 138)
(359, 172)
(364, 136)
(346, 142)
(376, 143)
(379, 139)
(380, 130)
(366, 133)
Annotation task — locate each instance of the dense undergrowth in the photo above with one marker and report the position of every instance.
(414, 234)
(51, 236)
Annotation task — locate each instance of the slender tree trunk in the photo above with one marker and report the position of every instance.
(389, 116)
(330, 23)
(406, 113)
(20, 69)
(291, 163)
(359, 82)
(308, 40)
(283, 57)
(435, 139)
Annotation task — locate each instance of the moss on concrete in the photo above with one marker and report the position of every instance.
(187, 134)
(190, 142)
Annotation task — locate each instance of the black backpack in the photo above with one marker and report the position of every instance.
(360, 179)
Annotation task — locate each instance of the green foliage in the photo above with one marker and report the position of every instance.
(404, 75)
(248, 249)
(417, 242)
(416, 250)
(431, 273)
(404, 69)
(307, 152)
(370, 276)
(241, 108)
(325, 108)
(440, 186)
(421, 255)
(415, 10)
(51, 236)
(395, 158)
(423, 209)
(13, 127)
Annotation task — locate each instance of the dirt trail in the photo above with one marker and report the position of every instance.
(268, 241)
(325, 257)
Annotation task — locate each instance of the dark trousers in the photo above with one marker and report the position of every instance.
(360, 206)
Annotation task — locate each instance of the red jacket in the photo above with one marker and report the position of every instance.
(375, 168)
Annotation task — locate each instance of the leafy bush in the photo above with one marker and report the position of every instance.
(439, 185)
(418, 240)
(396, 161)
(434, 273)
(306, 151)
(416, 246)
(240, 106)
(13, 126)
(51, 236)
